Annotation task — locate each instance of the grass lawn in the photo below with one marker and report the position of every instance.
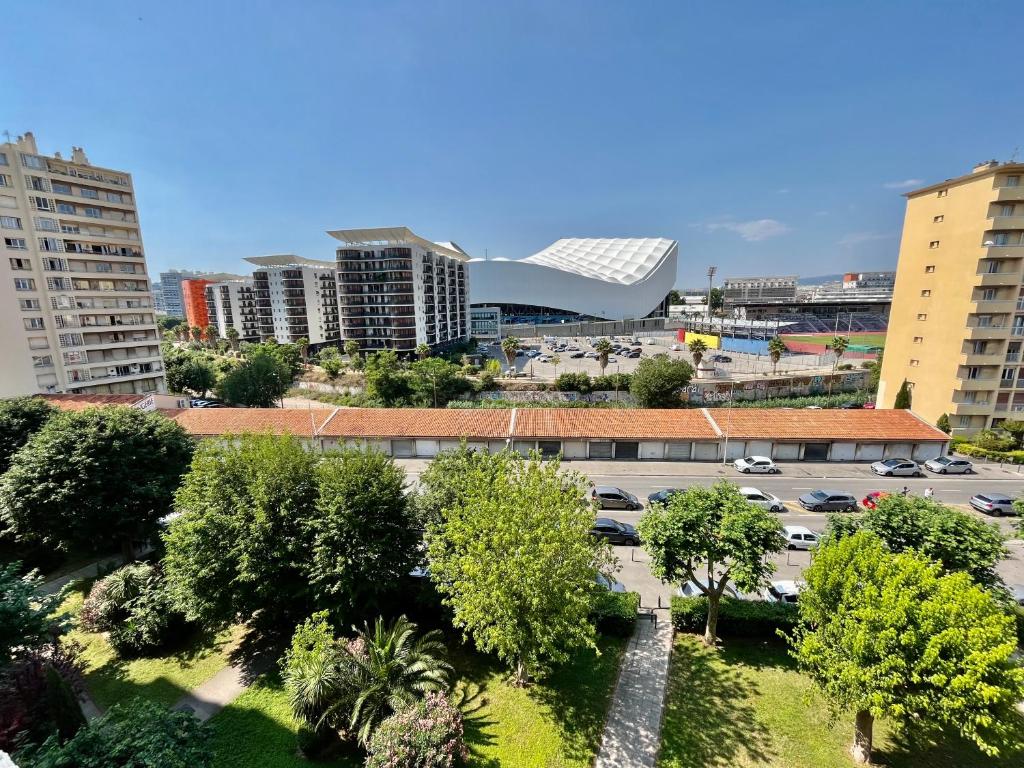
(865, 339)
(746, 705)
(163, 679)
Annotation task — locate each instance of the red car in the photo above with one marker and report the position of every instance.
(871, 500)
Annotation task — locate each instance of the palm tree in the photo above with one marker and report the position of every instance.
(697, 348)
(555, 360)
(233, 337)
(509, 346)
(210, 334)
(603, 347)
(422, 351)
(303, 345)
(776, 349)
(838, 345)
(197, 333)
(182, 332)
(393, 668)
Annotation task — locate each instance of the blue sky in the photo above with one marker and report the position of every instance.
(767, 138)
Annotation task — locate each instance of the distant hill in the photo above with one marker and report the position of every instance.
(820, 279)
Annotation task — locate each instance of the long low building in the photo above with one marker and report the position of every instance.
(696, 434)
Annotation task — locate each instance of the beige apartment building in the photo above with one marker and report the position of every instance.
(957, 321)
(76, 311)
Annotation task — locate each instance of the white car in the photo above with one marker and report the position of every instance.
(763, 499)
(799, 537)
(897, 468)
(783, 591)
(761, 464)
(675, 347)
(533, 353)
(949, 465)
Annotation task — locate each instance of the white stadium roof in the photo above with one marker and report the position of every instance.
(615, 260)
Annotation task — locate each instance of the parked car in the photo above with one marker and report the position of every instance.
(690, 589)
(576, 355)
(197, 403)
(633, 355)
(949, 465)
(897, 468)
(610, 583)
(533, 353)
(763, 499)
(649, 341)
(675, 347)
(590, 355)
(544, 359)
(869, 406)
(615, 532)
(851, 406)
(828, 501)
(662, 495)
(609, 497)
(760, 464)
(799, 537)
(721, 359)
(995, 504)
(785, 591)
(1016, 593)
(871, 500)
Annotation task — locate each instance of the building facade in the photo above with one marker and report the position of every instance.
(397, 290)
(957, 321)
(76, 308)
(296, 298)
(193, 301)
(485, 323)
(172, 300)
(759, 288)
(874, 281)
(232, 304)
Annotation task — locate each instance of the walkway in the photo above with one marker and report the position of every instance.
(211, 696)
(89, 571)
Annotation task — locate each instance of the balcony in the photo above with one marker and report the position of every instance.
(977, 332)
(1002, 251)
(987, 358)
(996, 279)
(1010, 194)
(995, 306)
(979, 384)
(971, 409)
(1006, 222)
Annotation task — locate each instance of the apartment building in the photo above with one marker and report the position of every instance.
(397, 290)
(193, 301)
(232, 304)
(76, 311)
(296, 298)
(172, 298)
(957, 320)
(753, 288)
(485, 323)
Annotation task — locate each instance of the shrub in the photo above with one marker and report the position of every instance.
(133, 606)
(611, 382)
(427, 734)
(991, 440)
(37, 694)
(486, 381)
(573, 382)
(845, 367)
(974, 451)
(614, 613)
(737, 618)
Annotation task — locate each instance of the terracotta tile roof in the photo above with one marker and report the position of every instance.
(831, 424)
(236, 421)
(635, 424)
(78, 402)
(419, 422)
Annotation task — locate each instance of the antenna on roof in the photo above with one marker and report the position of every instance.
(1013, 157)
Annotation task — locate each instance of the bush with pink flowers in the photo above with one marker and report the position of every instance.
(427, 734)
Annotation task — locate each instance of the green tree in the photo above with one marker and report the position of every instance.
(875, 372)
(422, 351)
(659, 381)
(233, 338)
(555, 362)
(386, 379)
(714, 530)
(168, 323)
(259, 382)
(903, 399)
(776, 349)
(838, 345)
(888, 635)
(509, 347)
(27, 618)
(493, 367)
(351, 348)
(717, 299)
(94, 478)
(956, 540)
(1011, 426)
(514, 559)
(303, 345)
(197, 333)
(434, 381)
(674, 297)
(943, 423)
(426, 734)
(329, 359)
(603, 347)
(20, 418)
(210, 335)
(133, 734)
(697, 349)
(189, 373)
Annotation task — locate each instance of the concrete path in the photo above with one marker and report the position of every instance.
(211, 696)
(85, 572)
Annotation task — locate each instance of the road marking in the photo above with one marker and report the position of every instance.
(800, 488)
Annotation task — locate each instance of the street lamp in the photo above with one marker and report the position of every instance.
(711, 277)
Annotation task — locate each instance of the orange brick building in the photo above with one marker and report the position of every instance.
(193, 301)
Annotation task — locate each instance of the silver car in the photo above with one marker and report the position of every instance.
(897, 468)
(949, 465)
(995, 504)
(763, 499)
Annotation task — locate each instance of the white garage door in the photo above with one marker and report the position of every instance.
(450, 445)
(426, 448)
(843, 452)
(496, 446)
(734, 449)
(574, 449)
(869, 451)
(759, 448)
(705, 451)
(403, 449)
(652, 450)
(787, 451)
(898, 450)
(925, 451)
(523, 447)
(679, 451)
(477, 446)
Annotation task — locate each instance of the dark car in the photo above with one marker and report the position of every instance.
(995, 504)
(576, 355)
(659, 497)
(828, 501)
(609, 497)
(850, 406)
(721, 359)
(634, 354)
(615, 532)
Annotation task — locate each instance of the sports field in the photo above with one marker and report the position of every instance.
(862, 339)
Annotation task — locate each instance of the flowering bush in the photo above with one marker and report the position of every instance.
(427, 734)
(37, 694)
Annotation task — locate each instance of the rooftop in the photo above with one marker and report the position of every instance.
(386, 236)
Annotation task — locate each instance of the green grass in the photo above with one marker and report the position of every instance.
(865, 339)
(746, 705)
(163, 679)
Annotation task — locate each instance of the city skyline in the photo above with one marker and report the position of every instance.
(760, 138)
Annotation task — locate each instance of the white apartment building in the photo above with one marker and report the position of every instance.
(232, 304)
(296, 298)
(76, 311)
(398, 290)
(172, 301)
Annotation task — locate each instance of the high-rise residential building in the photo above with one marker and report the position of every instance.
(170, 289)
(193, 301)
(398, 290)
(158, 298)
(296, 298)
(232, 304)
(957, 321)
(485, 323)
(744, 288)
(76, 311)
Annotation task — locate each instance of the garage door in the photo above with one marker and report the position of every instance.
(574, 449)
(627, 449)
(843, 452)
(925, 451)
(759, 448)
(549, 448)
(898, 450)
(450, 445)
(679, 451)
(523, 447)
(496, 446)
(734, 449)
(600, 450)
(705, 451)
(815, 451)
(426, 448)
(403, 449)
(787, 451)
(652, 450)
(869, 451)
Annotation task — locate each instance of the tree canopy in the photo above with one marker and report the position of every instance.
(260, 381)
(714, 531)
(659, 382)
(386, 379)
(20, 418)
(434, 382)
(903, 396)
(94, 478)
(27, 619)
(513, 557)
(189, 372)
(888, 635)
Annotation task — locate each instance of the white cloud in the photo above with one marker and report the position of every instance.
(751, 231)
(856, 238)
(905, 184)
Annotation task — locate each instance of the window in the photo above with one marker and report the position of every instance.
(61, 188)
(925, 293)
(922, 316)
(115, 197)
(37, 183)
(5, 180)
(69, 229)
(918, 339)
(34, 324)
(29, 305)
(70, 339)
(935, 219)
(66, 208)
(942, 193)
(3, 158)
(1006, 210)
(61, 284)
(20, 264)
(47, 224)
(31, 161)
(101, 267)
(965, 421)
(95, 213)
(929, 269)
(933, 244)
(92, 194)
(41, 203)
(55, 265)
(18, 243)
(989, 294)
(10, 222)
(50, 244)
(24, 284)
(914, 363)
(999, 238)
(1013, 181)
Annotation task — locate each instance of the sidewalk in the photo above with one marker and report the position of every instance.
(85, 572)
(211, 696)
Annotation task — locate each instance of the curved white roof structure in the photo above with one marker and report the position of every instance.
(610, 278)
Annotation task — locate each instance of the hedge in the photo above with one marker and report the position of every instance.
(614, 613)
(1008, 457)
(758, 619)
